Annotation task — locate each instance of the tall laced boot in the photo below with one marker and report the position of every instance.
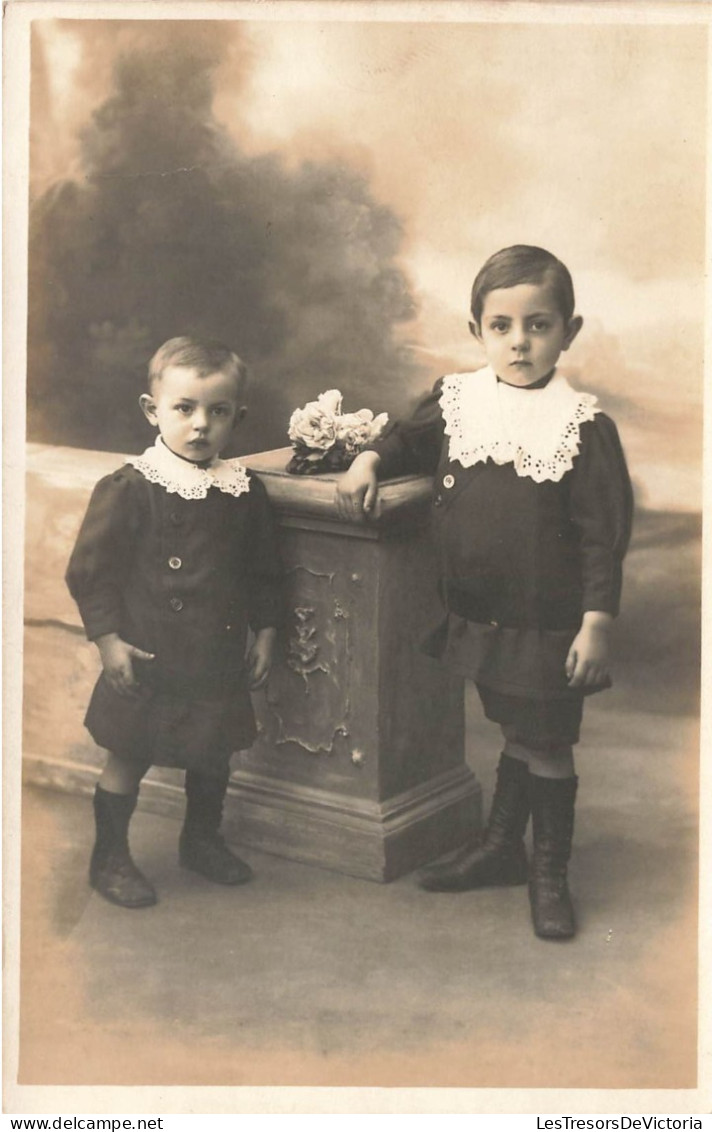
(112, 871)
(501, 859)
(201, 846)
(552, 803)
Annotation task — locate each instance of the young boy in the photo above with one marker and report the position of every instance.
(176, 558)
(532, 513)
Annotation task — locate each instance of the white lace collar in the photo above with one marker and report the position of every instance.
(537, 430)
(159, 465)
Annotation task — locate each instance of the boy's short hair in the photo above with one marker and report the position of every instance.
(523, 264)
(196, 353)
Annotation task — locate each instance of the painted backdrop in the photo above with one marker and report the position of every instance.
(321, 195)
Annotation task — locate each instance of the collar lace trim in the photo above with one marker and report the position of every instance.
(159, 465)
(536, 430)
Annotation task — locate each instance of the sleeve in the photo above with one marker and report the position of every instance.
(601, 503)
(100, 560)
(265, 568)
(413, 444)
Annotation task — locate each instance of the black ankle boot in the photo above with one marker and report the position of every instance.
(501, 859)
(552, 803)
(201, 847)
(112, 872)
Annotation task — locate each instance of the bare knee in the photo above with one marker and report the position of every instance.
(121, 775)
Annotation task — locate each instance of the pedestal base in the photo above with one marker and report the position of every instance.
(376, 841)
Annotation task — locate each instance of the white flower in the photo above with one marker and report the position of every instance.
(353, 422)
(330, 401)
(320, 424)
(314, 425)
(355, 430)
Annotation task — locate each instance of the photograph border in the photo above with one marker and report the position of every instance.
(248, 1100)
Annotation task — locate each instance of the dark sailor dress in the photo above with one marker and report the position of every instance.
(180, 561)
(532, 511)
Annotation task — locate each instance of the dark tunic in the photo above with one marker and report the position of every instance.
(182, 579)
(520, 561)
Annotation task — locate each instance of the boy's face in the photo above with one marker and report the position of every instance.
(523, 332)
(194, 415)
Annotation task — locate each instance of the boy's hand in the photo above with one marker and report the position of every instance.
(587, 662)
(357, 490)
(116, 658)
(260, 657)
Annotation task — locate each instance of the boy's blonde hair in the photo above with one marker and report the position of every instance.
(202, 355)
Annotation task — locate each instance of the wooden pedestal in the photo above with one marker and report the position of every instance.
(359, 764)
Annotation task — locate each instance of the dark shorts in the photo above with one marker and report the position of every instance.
(539, 724)
(160, 729)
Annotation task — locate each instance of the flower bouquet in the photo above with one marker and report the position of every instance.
(326, 440)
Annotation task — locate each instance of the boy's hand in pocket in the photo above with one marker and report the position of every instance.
(117, 658)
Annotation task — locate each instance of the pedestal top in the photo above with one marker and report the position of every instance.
(316, 495)
(79, 469)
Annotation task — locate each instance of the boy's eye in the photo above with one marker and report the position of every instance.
(499, 326)
(221, 411)
(539, 325)
(185, 409)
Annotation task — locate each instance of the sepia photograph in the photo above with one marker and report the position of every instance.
(353, 452)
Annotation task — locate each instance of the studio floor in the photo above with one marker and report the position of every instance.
(307, 977)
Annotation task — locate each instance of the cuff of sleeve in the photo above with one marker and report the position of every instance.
(388, 450)
(268, 615)
(99, 621)
(100, 628)
(600, 604)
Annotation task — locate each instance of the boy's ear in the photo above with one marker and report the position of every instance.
(572, 330)
(240, 415)
(148, 405)
(475, 330)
